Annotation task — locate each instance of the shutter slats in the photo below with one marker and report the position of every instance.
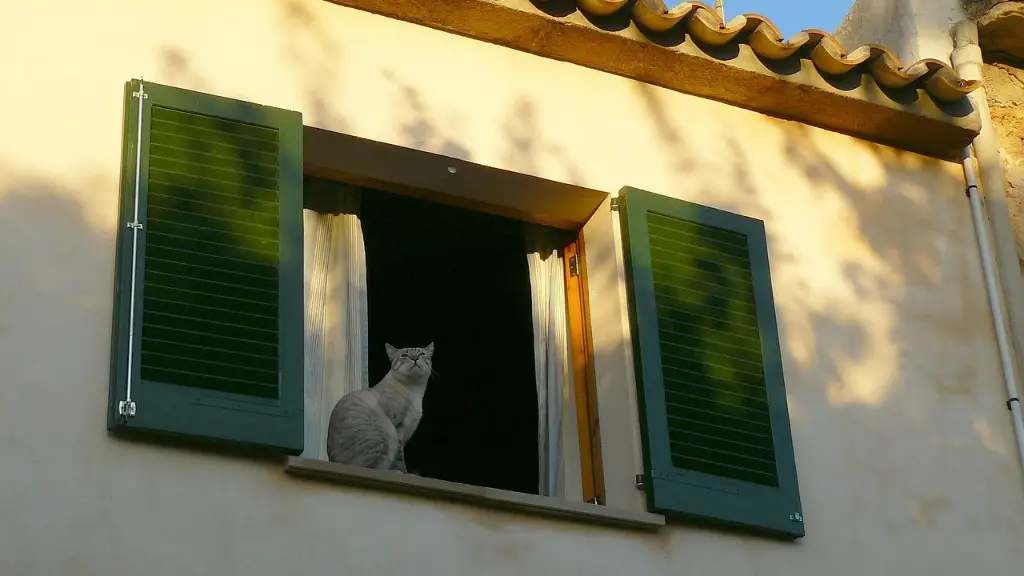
(234, 189)
(714, 415)
(228, 370)
(239, 346)
(203, 380)
(203, 325)
(210, 311)
(677, 321)
(211, 353)
(194, 253)
(244, 201)
(165, 276)
(215, 216)
(731, 387)
(217, 273)
(252, 258)
(668, 277)
(232, 219)
(680, 349)
(205, 127)
(727, 241)
(172, 144)
(232, 168)
(211, 173)
(212, 301)
(192, 225)
(714, 253)
(218, 215)
(170, 264)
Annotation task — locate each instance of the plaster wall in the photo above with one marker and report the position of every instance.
(903, 443)
(913, 29)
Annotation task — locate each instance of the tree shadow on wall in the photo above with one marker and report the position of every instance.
(892, 380)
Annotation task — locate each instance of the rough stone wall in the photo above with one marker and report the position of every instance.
(1005, 87)
(1000, 28)
(976, 8)
(1001, 37)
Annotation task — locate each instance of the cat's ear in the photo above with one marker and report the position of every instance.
(391, 351)
(430, 350)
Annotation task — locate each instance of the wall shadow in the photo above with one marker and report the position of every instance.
(889, 333)
(891, 378)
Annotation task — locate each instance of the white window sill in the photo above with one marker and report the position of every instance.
(488, 497)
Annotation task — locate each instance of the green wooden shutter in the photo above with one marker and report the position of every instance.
(215, 337)
(714, 419)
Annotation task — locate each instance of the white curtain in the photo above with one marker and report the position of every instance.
(558, 444)
(335, 314)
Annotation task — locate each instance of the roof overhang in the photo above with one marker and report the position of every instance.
(780, 79)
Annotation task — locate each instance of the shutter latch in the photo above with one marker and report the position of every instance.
(126, 408)
(796, 517)
(639, 481)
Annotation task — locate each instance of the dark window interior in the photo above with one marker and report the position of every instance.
(458, 278)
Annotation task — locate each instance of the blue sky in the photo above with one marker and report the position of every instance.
(791, 16)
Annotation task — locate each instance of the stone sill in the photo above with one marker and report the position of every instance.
(478, 495)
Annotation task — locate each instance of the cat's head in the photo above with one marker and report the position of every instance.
(411, 362)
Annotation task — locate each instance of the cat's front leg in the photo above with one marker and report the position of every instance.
(399, 463)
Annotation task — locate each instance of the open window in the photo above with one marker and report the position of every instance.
(250, 298)
(489, 291)
(262, 265)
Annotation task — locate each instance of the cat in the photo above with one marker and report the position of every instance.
(371, 427)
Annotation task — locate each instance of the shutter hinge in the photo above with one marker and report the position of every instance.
(140, 93)
(126, 408)
(639, 481)
(574, 266)
(616, 204)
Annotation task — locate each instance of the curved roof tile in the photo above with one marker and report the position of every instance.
(703, 23)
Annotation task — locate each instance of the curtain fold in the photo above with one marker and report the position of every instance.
(552, 368)
(336, 323)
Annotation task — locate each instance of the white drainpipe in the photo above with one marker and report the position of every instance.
(995, 301)
(967, 60)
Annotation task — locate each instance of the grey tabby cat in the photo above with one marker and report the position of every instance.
(371, 427)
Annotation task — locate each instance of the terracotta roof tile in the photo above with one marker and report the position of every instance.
(701, 22)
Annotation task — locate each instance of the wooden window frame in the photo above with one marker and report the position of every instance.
(357, 161)
(584, 376)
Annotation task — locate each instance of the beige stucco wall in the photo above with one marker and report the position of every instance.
(904, 447)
